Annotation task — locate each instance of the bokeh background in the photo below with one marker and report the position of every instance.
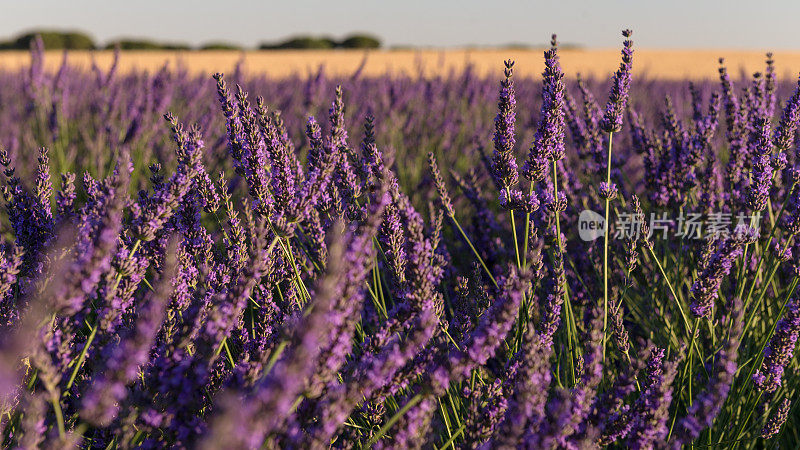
(675, 40)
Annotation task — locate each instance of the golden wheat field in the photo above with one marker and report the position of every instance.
(659, 63)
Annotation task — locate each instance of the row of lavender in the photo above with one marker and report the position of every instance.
(263, 292)
(86, 119)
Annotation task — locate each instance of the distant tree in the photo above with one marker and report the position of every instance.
(133, 44)
(302, 42)
(220, 46)
(55, 40)
(145, 44)
(175, 46)
(360, 41)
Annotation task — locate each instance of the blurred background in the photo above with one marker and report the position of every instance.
(674, 40)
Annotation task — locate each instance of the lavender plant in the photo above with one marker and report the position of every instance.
(361, 262)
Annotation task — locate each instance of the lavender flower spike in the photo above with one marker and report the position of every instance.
(775, 423)
(779, 352)
(761, 175)
(715, 266)
(440, 186)
(504, 163)
(548, 143)
(106, 391)
(612, 119)
(784, 133)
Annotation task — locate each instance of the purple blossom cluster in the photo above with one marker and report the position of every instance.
(332, 263)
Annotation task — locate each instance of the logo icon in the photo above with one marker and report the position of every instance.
(590, 225)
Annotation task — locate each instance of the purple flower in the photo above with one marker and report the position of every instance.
(776, 421)
(714, 266)
(413, 429)
(785, 132)
(504, 163)
(515, 200)
(481, 344)
(163, 204)
(608, 191)
(486, 405)
(526, 405)
(650, 413)
(778, 354)
(440, 186)
(568, 409)
(373, 168)
(548, 143)
(762, 172)
(620, 85)
(735, 128)
(122, 361)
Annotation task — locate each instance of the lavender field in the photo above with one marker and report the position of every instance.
(520, 261)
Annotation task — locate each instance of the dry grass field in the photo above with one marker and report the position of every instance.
(665, 64)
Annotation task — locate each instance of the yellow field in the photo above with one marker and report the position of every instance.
(666, 64)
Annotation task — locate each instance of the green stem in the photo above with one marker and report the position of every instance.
(686, 371)
(514, 232)
(477, 255)
(769, 241)
(747, 418)
(389, 423)
(605, 248)
(93, 333)
(571, 330)
(59, 417)
(453, 438)
(82, 356)
(677, 300)
(527, 231)
(273, 358)
(763, 292)
(558, 215)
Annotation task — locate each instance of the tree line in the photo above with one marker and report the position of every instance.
(76, 40)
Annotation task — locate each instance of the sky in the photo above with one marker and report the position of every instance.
(731, 24)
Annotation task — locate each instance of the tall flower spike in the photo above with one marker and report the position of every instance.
(164, 203)
(10, 263)
(651, 411)
(504, 163)
(775, 423)
(101, 401)
(761, 175)
(486, 406)
(769, 85)
(44, 189)
(778, 354)
(65, 198)
(785, 132)
(393, 238)
(715, 266)
(315, 142)
(372, 160)
(526, 405)
(548, 143)
(551, 128)
(612, 119)
(440, 186)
